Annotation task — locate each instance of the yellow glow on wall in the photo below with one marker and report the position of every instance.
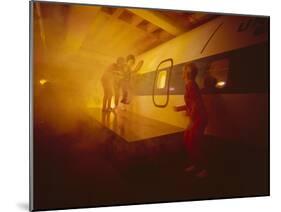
(42, 81)
(161, 79)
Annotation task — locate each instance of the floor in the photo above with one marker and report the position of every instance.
(131, 126)
(93, 165)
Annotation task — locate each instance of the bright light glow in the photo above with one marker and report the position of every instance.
(161, 79)
(42, 81)
(220, 84)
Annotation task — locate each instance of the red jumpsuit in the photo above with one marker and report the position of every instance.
(194, 134)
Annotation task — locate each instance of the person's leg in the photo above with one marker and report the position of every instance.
(193, 140)
(124, 92)
(200, 140)
(127, 93)
(104, 101)
(190, 166)
(109, 102)
(116, 93)
(124, 95)
(109, 96)
(199, 156)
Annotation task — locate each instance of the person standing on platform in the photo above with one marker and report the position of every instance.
(118, 73)
(109, 82)
(195, 109)
(126, 80)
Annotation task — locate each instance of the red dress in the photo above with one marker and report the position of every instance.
(194, 134)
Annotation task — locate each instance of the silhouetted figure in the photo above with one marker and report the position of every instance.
(194, 106)
(125, 82)
(118, 73)
(209, 84)
(111, 81)
(107, 82)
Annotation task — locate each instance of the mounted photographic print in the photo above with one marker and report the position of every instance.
(138, 105)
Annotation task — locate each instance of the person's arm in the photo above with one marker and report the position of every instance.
(138, 67)
(180, 108)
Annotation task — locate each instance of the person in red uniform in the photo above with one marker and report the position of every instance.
(195, 109)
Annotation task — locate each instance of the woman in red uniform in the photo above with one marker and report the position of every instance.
(194, 106)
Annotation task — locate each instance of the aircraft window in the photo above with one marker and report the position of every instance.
(216, 75)
(161, 79)
(162, 83)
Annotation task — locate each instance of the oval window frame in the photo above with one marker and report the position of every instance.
(169, 73)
